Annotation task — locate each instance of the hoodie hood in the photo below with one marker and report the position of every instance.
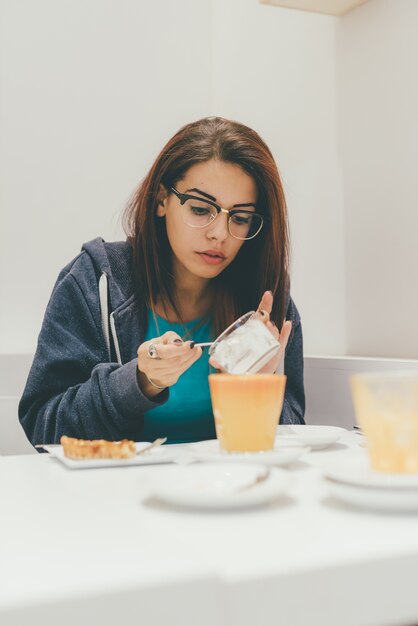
(115, 261)
(112, 263)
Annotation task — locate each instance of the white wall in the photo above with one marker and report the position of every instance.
(90, 91)
(275, 69)
(377, 57)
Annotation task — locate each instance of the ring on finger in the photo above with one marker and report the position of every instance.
(153, 352)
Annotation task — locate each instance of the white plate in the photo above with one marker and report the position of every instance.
(219, 486)
(161, 454)
(314, 436)
(374, 490)
(210, 451)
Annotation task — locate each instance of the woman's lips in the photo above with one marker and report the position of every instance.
(211, 258)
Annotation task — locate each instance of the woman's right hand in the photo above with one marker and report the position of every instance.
(173, 356)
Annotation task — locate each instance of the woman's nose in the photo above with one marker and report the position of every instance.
(218, 229)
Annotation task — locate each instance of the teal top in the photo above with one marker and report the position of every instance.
(187, 414)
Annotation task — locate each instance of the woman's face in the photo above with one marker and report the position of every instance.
(206, 252)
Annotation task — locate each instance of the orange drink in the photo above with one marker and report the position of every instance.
(386, 406)
(247, 409)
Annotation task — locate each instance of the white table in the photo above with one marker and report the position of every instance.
(87, 546)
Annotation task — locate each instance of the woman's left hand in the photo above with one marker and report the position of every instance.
(263, 314)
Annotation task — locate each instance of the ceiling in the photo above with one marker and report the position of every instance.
(329, 7)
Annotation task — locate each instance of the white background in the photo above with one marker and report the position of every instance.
(377, 87)
(91, 90)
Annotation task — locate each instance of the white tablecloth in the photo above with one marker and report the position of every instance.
(89, 546)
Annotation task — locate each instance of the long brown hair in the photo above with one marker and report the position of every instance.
(261, 264)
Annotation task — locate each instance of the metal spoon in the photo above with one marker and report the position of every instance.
(260, 478)
(154, 444)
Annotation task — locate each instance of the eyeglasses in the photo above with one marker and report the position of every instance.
(199, 213)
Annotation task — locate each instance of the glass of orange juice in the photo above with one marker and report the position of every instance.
(247, 409)
(386, 406)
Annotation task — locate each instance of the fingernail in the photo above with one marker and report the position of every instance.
(178, 341)
(192, 344)
(270, 292)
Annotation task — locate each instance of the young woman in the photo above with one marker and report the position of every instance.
(207, 241)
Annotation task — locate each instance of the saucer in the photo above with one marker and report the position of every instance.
(314, 436)
(374, 490)
(210, 451)
(219, 486)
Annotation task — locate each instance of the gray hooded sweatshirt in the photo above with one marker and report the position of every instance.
(83, 380)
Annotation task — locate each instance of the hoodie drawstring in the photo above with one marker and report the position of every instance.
(106, 320)
(104, 311)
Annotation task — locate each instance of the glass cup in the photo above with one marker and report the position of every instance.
(245, 346)
(247, 409)
(386, 406)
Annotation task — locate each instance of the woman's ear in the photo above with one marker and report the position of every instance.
(162, 198)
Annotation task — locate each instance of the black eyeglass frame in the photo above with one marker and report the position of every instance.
(183, 197)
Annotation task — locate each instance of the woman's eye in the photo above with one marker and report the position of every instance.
(241, 220)
(200, 210)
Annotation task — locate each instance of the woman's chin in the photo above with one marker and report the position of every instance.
(201, 271)
(210, 272)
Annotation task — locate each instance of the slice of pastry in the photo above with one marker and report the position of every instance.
(97, 448)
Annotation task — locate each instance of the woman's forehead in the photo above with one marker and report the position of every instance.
(221, 180)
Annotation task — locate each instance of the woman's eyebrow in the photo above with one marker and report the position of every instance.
(207, 195)
(203, 193)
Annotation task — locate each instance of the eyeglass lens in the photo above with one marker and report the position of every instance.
(199, 214)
